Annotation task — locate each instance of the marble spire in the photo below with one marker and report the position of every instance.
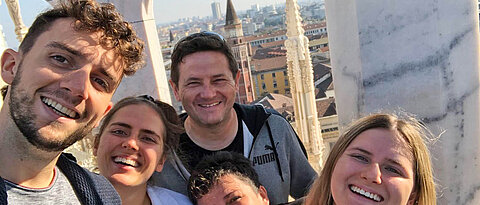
(300, 75)
(14, 10)
(231, 16)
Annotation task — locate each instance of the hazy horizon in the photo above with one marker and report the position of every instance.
(165, 11)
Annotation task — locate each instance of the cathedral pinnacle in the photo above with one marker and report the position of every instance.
(231, 16)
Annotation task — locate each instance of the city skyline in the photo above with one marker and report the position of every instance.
(165, 11)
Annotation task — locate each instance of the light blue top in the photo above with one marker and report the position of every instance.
(162, 196)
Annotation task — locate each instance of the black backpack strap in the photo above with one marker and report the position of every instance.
(81, 182)
(3, 192)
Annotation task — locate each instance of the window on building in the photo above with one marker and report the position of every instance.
(275, 91)
(286, 82)
(264, 86)
(273, 75)
(285, 73)
(274, 84)
(262, 77)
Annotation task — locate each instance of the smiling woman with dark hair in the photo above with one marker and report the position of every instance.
(133, 142)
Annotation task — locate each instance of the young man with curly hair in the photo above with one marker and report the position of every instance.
(60, 85)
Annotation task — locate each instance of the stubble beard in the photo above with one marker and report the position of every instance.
(21, 111)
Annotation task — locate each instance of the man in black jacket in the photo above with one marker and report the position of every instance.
(60, 85)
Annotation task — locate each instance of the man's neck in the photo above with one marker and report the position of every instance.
(21, 162)
(214, 137)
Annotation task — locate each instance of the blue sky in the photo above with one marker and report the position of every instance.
(165, 11)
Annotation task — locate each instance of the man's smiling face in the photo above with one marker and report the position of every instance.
(206, 87)
(62, 86)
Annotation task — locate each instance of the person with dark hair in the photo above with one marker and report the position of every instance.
(61, 82)
(131, 145)
(226, 178)
(205, 79)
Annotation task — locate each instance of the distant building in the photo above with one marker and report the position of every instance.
(216, 11)
(326, 109)
(269, 71)
(311, 30)
(249, 28)
(234, 36)
(256, 7)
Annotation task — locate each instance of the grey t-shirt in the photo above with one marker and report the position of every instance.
(60, 192)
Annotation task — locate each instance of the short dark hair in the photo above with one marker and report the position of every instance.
(212, 167)
(91, 16)
(165, 111)
(203, 41)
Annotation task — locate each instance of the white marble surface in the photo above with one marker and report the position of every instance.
(421, 57)
(151, 79)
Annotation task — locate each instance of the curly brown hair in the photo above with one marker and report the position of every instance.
(91, 16)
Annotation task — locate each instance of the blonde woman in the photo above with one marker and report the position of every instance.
(379, 159)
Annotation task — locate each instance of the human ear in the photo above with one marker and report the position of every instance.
(263, 193)
(9, 62)
(237, 79)
(175, 90)
(160, 164)
(412, 199)
(109, 107)
(96, 142)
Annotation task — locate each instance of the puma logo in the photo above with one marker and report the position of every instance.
(268, 147)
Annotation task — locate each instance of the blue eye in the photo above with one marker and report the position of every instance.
(118, 132)
(393, 170)
(359, 158)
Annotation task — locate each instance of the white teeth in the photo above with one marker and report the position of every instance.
(130, 162)
(367, 194)
(210, 105)
(58, 108)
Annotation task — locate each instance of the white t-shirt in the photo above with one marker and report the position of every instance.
(162, 196)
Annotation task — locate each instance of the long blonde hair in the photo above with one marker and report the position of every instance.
(414, 134)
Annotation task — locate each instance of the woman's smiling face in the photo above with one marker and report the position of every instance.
(131, 146)
(376, 168)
